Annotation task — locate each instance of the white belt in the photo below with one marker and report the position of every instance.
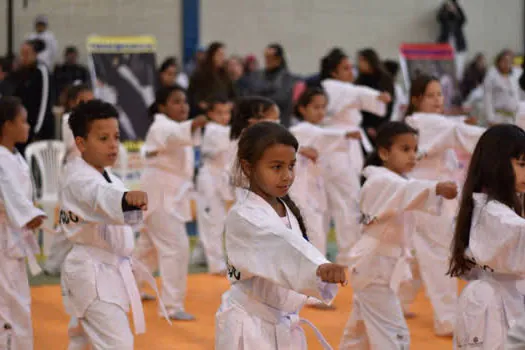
(29, 245)
(285, 323)
(401, 270)
(125, 266)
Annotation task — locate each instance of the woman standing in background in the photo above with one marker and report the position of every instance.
(210, 79)
(373, 74)
(501, 91)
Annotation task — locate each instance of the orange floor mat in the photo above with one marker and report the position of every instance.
(204, 291)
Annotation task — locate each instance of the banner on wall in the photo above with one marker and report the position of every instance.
(433, 59)
(124, 74)
(124, 71)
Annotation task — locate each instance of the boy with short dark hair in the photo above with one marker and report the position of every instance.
(96, 213)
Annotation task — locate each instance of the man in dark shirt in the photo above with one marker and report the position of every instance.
(70, 72)
(6, 86)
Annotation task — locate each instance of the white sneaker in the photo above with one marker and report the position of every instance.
(198, 257)
(318, 304)
(181, 316)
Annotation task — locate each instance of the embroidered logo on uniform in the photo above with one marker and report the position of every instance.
(366, 219)
(67, 216)
(465, 343)
(233, 273)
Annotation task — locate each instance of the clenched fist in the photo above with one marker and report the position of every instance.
(137, 199)
(35, 222)
(447, 189)
(332, 273)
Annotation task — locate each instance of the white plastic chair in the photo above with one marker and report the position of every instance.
(121, 166)
(48, 156)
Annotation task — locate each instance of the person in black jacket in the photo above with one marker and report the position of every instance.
(275, 82)
(70, 72)
(31, 84)
(6, 88)
(451, 19)
(372, 73)
(522, 77)
(210, 79)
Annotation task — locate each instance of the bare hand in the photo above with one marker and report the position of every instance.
(137, 199)
(353, 135)
(198, 122)
(447, 189)
(35, 222)
(371, 132)
(332, 273)
(151, 154)
(384, 97)
(310, 153)
(471, 121)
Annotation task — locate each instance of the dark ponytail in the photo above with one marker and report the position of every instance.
(385, 138)
(161, 98)
(297, 213)
(252, 144)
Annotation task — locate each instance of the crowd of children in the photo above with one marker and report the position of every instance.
(396, 217)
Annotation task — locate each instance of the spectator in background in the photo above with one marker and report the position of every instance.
(31, 84)
(209, 80)
(236, 73)
(169, 74)
(372, 73)
(474, 75)
(275, 81)
(501, 91)
(401, 98)
(522, 76)
(451, 19)
(50, 52)
(195, 61)
(6, 86)
(70, 72)
(250, 64)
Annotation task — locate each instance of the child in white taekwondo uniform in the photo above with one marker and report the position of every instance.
(379, 262)
(489, 241)
(310, 192)
(345, 100)
(247, 111)
(167, 178)
(60, 245)
(213, 192)
(18, 218)
(501, 91)
(440, 138)
(98, 282)
(271, 265)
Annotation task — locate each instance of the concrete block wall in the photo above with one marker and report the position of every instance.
(309, 28)
(73, 21)
(306, 28)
